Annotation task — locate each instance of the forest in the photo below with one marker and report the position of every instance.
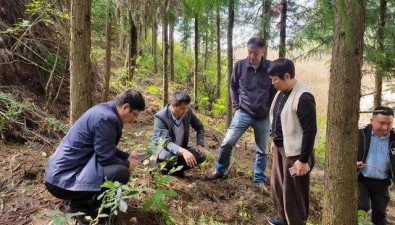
(58, 58)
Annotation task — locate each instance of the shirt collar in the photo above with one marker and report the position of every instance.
(384, 137)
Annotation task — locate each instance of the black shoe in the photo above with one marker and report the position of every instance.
(276, 220)
(215, 176)
(179, 173)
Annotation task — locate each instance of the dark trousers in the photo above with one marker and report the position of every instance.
(173, 161)
(86, 201)
(376, 192)
(290, 194)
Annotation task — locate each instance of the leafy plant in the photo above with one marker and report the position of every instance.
(62, 218)
(245, 216)
(158, 200)
(114, 198)
(363, 219)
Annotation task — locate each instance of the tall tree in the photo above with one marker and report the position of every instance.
(133, 46)
(283, 28)
(340, 201)
(196, 61)
(108, 52)
(80, 68)
(165, 45)
(231, 22)
(218, 42)
(154, 45)
(264, 33)
(380, 41)
(171, 47)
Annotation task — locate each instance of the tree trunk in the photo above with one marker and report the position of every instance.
(230, 60)
(108, 53)
(154, 46)
(340, 196)
(165, 45)
(206, 51)
(171, 43)
(283, 28)
(380, 39)
(133, 45)
(80, 68)
(266, 18)
(218, 40)
(196, 62)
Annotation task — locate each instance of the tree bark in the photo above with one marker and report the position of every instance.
(230, 60)
(340, 196)
(171, 43)
(380, 40)
(283, 28)
(165, 45)
(133, 46)
(196, 63)
(154, 46)
(80, 68)
(108, 53)
(218, 40)
(266, 19)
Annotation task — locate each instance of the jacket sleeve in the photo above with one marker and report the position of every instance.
(234, 86)
(307, 117)
(161, 138)
(199, 128)
(105, 143)
(361, 144)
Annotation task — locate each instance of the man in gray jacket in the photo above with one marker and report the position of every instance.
(171, 131)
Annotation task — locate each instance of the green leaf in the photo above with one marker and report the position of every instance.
(123, 206)
(108, 184)
(148, 203)
(59, 221)
(170, 193)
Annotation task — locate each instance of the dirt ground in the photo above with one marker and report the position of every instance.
(235, 200)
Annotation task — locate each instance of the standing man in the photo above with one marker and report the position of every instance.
(87, 155)
(171, 130)
(376, 163)
(294, 126)
(252, 93)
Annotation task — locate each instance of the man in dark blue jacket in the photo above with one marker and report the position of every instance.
(87, 155)
(171, 133)
(252, 93)
(376, 164)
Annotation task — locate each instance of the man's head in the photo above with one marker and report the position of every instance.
(256, 50)
(382, 120)
(282, 72)
(180, 102)
(129, 104)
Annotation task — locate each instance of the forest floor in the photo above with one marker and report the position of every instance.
(235, 200)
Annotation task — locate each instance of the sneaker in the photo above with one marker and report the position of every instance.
(215, 176)
(276, 220)
(262, 188)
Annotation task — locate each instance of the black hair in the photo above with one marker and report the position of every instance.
(133, 97)
(280, 67)
(383, 110)
(180, 97)
(256, 41)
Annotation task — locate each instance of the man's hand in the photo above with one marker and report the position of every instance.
(188, 156)
(200, 150)
(301, 168)
(133, 161)
(272, 148)
(360, 165)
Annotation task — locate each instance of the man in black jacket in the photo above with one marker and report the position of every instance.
(376, 161)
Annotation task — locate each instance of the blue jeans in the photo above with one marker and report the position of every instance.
(240, 123)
